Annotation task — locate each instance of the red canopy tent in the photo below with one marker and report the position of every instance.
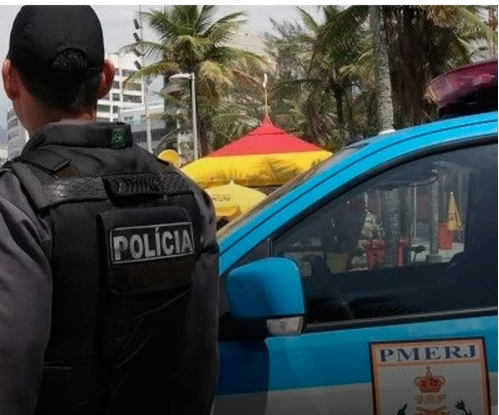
(267, 156)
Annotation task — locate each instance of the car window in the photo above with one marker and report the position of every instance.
(419, 238)
(336, 159)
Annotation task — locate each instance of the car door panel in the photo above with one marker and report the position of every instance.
(328, 372)
(328, 369)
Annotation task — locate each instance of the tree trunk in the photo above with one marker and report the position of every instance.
(385, 120)
(203, 137)
(406, 215)
(338, 97)
(434, 220)
(382, 69)
(391, 224)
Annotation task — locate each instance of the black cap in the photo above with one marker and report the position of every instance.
(40, 34)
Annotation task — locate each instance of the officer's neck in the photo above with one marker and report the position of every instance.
(41, 116)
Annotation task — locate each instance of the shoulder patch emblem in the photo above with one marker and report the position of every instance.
(117, 139)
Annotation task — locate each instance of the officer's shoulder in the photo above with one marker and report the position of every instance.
(198, 192)
(169, 166)
(11, 189)
(7, 175)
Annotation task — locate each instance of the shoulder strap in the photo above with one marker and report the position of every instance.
(45, 181)
(46, 160)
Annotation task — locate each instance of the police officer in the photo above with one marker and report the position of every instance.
(108, 257)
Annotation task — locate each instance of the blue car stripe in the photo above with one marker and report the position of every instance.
(332, 358)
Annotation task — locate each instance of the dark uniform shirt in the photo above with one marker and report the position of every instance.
(26, 297)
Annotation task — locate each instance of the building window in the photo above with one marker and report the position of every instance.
(106, 98)
(116, 97)
(132, 98)
(127, 72)
(128, 118)
(133, 87)
(142, 116)
(103, 119)
(103, 108)
(116, 85)
(116, 109)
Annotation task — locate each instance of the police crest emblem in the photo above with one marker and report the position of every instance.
(441, 377)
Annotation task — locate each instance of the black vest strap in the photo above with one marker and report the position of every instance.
(45, 159)
(48, 190)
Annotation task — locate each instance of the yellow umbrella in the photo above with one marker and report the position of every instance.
(231, 200)
(453, 218)
(171, 156)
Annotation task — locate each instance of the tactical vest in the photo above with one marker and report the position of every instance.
(125, 243)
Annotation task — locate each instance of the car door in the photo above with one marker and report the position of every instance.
(400, 280)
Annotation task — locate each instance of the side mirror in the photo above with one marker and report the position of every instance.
(268, 296)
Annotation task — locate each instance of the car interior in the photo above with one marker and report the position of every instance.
(465, 278)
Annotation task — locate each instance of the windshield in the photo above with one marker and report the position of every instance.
(292, 184)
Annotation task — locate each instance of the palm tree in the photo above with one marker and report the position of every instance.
(320, 77)
(410, 45)
(192, 40)
(385, 119)
(423, 42)
(382, 69)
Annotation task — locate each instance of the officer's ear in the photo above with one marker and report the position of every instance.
(106, 78)
(10, 80)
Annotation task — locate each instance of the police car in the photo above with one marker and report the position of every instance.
(369, 284)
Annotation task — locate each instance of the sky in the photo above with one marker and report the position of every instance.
(118, 28)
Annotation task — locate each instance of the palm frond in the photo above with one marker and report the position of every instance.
(310, 23)
(229, 18)
(153, 50)
(160, 22)
(153, 70)
(342, 30)
(294, 86)
(473, 21)
(194, 45)
(223, 32)
(206, 15)
(230, 55)
(212, 72)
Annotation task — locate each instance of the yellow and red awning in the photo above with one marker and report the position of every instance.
(268, 156)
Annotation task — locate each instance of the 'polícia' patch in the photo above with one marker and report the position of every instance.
(151, 242)
(148, 249)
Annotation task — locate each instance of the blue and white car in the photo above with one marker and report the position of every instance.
(369, 284)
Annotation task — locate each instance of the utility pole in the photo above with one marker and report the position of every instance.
(145, 81)
(145, 89)
(191, 77)
(194, 116)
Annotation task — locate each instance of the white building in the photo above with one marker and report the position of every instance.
(3, 154)
(136, 117)
(252, 42)
(17, 136)
(108, 108)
